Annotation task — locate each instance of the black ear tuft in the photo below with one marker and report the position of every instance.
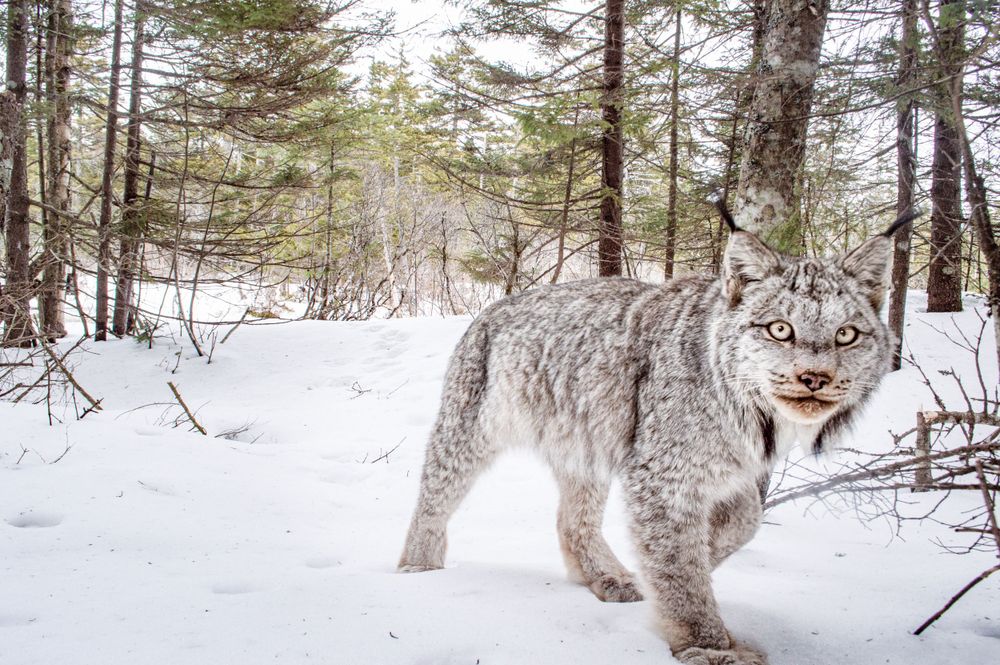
(902, 221)
(727, 217)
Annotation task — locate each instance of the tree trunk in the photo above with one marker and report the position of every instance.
(905, 177)
(976, 196)
(767, 195)
(671, 241)
(57, 75)
(975, 190)
(104, 224)
(19, 330)
(944, 279)
(609, 244)
(567, 199)
(324, 307)
(124, 315)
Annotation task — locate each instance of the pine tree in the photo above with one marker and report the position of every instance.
(16, 309)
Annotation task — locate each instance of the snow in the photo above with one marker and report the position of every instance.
(146, 543)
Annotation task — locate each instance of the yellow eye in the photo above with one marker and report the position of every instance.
(780, 330)
(846, 335)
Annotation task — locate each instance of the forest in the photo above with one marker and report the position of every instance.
(240, 239)
(292, 149)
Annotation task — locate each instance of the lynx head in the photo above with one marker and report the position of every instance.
(803, 336)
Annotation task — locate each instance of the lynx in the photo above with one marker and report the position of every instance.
(689, 391)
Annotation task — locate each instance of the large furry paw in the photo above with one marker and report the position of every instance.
(417, 567)
(615, 589)
(736, 656)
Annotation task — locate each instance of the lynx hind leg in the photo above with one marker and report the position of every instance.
(733, 523)
(449, 471)
(457, 452)
(589, 559)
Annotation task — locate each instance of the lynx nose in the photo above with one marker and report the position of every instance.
(815, 380)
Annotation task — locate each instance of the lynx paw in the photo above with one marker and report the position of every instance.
(612, 589)
(417, 567)
(735, 656)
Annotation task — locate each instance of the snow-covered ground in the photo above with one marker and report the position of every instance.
(148, 544)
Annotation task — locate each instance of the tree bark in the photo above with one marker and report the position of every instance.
(670, 248)
(104, 223)
(19, 330)
(976, 196)
(975, 189)
(609, 244)
(57, 75)
(131, 227)
(944, 279)
(905, 177)
(767, 201)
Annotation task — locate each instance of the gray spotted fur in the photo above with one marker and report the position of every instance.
(674, 389)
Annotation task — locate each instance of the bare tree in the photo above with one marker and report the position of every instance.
(104, 224)
(905, 175)
(124, 314)
(57, 76)
(19, 330)
(975, 188)
(944, 279)
(609, 246)
(671, 240)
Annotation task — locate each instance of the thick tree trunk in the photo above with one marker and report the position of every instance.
(104, 224)
(944, 279)
(57, 75)
(905, 177)
(767, 195)
(124, 315)
(18, 330)
(609, 244)
(671, 242)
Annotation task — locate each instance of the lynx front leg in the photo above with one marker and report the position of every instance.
(671, 527)
(588, 557)
(733, 523)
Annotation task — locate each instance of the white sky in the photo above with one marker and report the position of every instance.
(420, 24)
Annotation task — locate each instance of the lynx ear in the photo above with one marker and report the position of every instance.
(869, 263)
(747, 260)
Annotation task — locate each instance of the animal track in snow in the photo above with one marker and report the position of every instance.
(345, 474)
(233, 588)
(33, 520)
(8, 620)
(320, 562)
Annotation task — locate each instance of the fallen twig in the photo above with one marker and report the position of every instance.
(95, 404)
(238, 324)
(180, 400)
(954, 599)
(385, 455)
